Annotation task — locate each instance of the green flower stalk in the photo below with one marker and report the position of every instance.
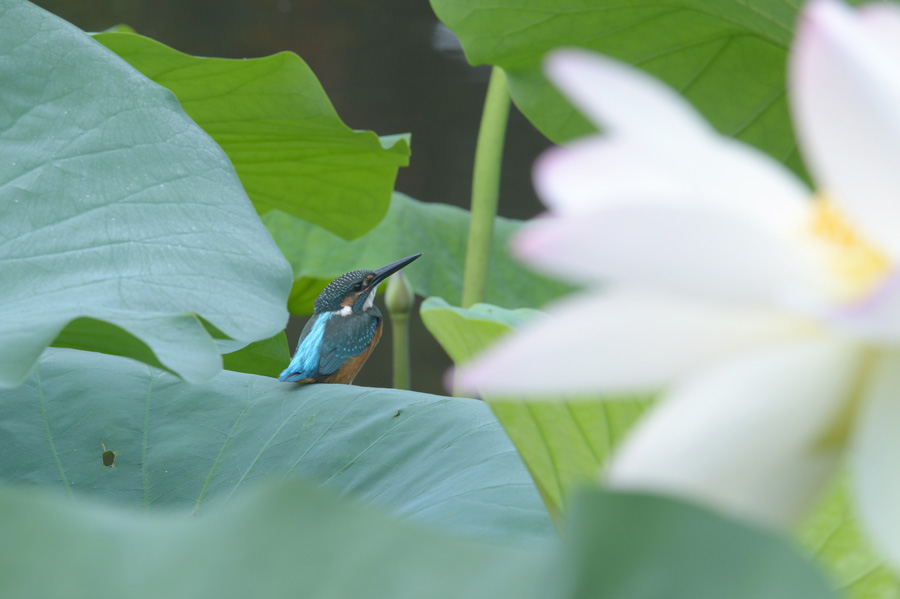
(486, 187)
(399, 300)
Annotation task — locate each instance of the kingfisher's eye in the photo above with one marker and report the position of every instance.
(357, 287)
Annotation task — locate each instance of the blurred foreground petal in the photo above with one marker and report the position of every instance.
(633, 103)
(598, 173)
(745, 437)
(881, 22)
(845, 94)
(623, 341)
(692, 250)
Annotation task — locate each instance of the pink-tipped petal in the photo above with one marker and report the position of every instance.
(622, 341)
(845, 96)
(687, 250)
(624, 100)
(876, 445)
(745, 438)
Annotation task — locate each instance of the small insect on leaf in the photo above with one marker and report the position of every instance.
(109, 457)
(397, 414)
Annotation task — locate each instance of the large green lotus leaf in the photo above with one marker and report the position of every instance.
(833, 534)
(272, 117)
(437, 460)
(635, 546)
(291, 540)
(726, 56)
(279, 540)
(437, 230)
(563, 441)
(118, 212)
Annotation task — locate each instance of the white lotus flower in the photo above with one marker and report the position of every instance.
(769, 312)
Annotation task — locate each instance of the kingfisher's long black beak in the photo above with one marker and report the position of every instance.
(386, 271)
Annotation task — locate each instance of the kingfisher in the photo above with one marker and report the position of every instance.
(344, 329)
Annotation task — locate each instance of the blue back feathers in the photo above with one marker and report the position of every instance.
(305, 362)
(328, 340)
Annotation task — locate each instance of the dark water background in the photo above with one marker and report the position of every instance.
(386, 65)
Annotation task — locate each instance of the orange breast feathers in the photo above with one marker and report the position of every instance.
(348, 371)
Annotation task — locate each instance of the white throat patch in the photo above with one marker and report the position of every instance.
(370, 301)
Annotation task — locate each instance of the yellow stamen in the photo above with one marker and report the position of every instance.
(857, 264)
